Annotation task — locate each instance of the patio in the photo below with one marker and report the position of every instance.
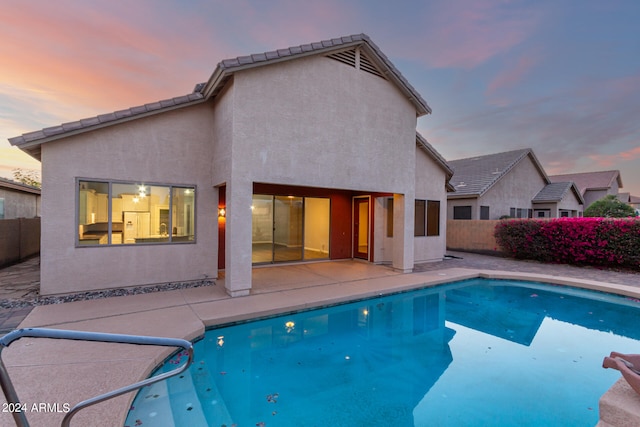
(74, 371)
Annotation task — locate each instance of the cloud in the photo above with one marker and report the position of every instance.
(609, 160)
(512, 75)
(105, 58)
(463, 34)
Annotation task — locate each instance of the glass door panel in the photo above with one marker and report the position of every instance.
(287, 228)
(262, 228)
(361, 228)
(316, 228)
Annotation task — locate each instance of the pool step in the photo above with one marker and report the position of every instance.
(185, 404)
(213, 404)
(151, 407)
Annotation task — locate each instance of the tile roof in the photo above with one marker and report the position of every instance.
(591, 180)
(228, 66)
(474, 176)
(18, 186)
(30, 142)
(556, 191)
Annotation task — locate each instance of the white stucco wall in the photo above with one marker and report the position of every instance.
(169, 148)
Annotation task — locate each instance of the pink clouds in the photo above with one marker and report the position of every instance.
(466, 34)
(511, 76)
(608, 160)
(103, 60)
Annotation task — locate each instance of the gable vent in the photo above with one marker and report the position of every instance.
(346, 57)
(357, 59)
(367, 65)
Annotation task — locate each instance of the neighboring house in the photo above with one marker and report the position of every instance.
(558, 200)
(511, 183)
(18, 200)
(298, 154)
(593, 185)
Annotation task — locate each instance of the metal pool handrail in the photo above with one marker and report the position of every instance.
(10, 392)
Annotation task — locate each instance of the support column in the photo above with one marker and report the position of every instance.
(403, 218)
(237, 261)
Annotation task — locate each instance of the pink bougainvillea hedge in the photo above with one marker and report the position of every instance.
(582, 241)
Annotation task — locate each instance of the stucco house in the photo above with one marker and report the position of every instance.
(18, 200)
(511, 183)
(299, 154)
(593, 185)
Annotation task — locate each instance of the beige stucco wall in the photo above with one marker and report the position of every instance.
(570, 202)
(516, 189)
(169, 148)
(316, 122)
(18, 204)
(430, 185)
(471, 201)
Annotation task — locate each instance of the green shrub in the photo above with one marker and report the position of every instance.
(582, 241)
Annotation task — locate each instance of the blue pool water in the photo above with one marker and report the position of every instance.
(471, 353)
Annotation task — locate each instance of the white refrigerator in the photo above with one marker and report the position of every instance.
(136, 225)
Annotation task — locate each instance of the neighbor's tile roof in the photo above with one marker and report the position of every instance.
(556, 191)
(18, 186)
(473, 176)
(590, 180)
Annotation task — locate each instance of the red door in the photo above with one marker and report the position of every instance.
(361, 228)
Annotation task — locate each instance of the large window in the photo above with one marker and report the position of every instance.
(125, 213)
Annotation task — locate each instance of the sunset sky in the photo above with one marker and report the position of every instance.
(561, 77)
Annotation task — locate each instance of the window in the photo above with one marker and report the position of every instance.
(462, 212)
(124, 213)
(512, 212)
(433, 218)
(484, 212)
(420, 218)
(1, 208)
(390, 217)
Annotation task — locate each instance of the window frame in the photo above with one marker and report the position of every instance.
(420, 218)
(110, 182)
(457, 210)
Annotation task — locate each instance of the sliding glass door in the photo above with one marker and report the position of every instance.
(289, 228)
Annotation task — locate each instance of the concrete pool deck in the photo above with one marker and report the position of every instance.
(59, 372)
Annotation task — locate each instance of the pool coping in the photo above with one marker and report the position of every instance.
(76, 371)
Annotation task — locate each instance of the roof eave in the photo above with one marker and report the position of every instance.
(32, 147)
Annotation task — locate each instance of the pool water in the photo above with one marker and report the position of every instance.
(472, 353)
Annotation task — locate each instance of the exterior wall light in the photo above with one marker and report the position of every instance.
(222, 212)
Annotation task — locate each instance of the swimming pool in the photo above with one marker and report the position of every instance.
(477, 352)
